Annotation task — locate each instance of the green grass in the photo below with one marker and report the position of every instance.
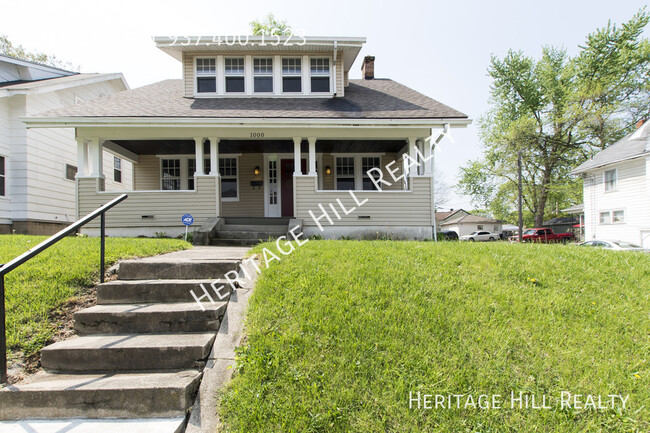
(40, 286)
(340, 332)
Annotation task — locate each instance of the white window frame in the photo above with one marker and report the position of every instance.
(358, 168)
(321, 75)
(292, 75)
(615, 186)
(236, 177)
(3, 192)
(190, 175)
(226, 75)
(197, 75)
(181, 167)
(610, 215)
(65, 171)
(117, 167)
(264, 75)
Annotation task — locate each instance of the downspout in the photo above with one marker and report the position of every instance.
(435, 142)
(334, 67)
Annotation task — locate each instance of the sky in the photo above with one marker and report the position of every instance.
(439, 48)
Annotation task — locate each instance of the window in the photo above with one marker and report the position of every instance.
(235, 75)
(605, 217)
(70, 171)
(367, 163)
(191, 169)
(479, 227)
(228, 172)
(618, 216)
(117, 169)
(206, 76)
(291, 75)
(612, 217)
(320, 75)
(263, 75)
(345, 173)
(171, 174)
(2, 176)
(611, 180)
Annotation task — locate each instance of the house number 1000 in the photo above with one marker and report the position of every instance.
(257, 134)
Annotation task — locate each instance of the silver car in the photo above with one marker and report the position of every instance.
(614, 245)
(480, 236)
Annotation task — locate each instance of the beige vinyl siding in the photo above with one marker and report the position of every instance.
(394, 208)
(251, 199)
(346, 80)
(127, 173)
(167, 207)
(188, 74)
(147, 173)
(339, 79)
(328, 179)
(5, 150)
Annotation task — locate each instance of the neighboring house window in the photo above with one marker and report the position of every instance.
(171, 174)
(206, 76)
(320, 75)
(228, 172)
(291, 75)
(263, 75)
(2, 176)
(605, 217)
(70, 171)
(611, 180)
(367, 163)
(117, 169)
(612, 217)
(345, 173)
(618, 216)
(235, 75)
(191, 169)
(479, 227)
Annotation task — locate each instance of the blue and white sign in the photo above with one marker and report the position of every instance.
(187, 219)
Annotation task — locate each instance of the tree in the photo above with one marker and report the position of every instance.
(441, 189)
(9, 49)
(271, 27)
(558, 111)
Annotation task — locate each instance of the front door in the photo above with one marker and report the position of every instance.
(286, 184)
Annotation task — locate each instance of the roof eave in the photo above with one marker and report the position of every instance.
(578, 170)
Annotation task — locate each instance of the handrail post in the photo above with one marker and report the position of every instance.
(3, 334)
(102, 247)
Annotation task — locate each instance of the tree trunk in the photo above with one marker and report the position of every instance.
(543, 195)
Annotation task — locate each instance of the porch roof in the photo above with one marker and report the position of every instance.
(364, 99)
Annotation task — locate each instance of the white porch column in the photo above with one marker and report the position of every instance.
(428, 156)
(82, 157)
(96, 156)
(214, 156)
(198, 148)
(312, 155)
(413, 171)
(297, 169)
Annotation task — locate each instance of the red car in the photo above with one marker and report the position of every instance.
(545, 236)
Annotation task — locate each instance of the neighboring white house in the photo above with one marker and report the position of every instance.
(38, 166)
(617, 190)
(464, 223)
(264, 130)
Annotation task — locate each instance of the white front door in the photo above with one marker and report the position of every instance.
(272, 189)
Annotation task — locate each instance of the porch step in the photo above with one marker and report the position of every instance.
(278, 230)
(256, 236)
(124, 352)
(266, 221)
(219, 242)
(156, 291)
(122, 395)
(160, 269)
(149, 318)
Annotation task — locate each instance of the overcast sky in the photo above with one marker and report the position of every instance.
(439, 48)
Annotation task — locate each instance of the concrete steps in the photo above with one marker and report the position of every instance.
(146, 269)
(150, 318)
(121, 395)
(128, 352)
(154, 291)
(251, 231)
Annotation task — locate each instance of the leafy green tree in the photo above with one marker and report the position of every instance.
(558, 111)
(271, 27)
(8, 48)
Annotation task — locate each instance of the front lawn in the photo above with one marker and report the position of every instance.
(341, 332)
(40, 286)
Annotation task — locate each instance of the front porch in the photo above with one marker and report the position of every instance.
(307, 177)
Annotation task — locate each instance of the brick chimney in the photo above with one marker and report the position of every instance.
(640, 123)
(368, 68)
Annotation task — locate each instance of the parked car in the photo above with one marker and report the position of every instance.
(448, 236)
(480, 236)
(614, 245)
(545, 236)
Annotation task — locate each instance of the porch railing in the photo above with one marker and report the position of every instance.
(13, 264)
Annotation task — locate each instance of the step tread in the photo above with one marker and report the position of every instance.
(149, 308)
(132, 341)
(275, 228)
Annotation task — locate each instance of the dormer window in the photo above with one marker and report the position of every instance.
(234, 75)
(206, 76)
(263, 75)
(320, 74)
(291, 75)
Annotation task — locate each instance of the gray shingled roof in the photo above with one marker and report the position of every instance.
(622, 150)
(364, 99)
(470, 219)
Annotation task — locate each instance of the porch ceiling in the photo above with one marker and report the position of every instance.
(180, 147)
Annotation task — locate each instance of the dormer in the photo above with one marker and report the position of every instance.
(263, 66)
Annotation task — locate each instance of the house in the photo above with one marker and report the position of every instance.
(264, 130)
(561, 224)
(38, 166)
(616, 184)
(464, 223)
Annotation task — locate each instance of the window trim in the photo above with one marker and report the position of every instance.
(615, 187)
(236, 177)
(358, 168)
(242, 76)
(196, 75)
(65, 171)
(610, 212)
(3, 192)
(328, 75)
(117, 161)
(292, 75)
(182, 165)
(264, 75)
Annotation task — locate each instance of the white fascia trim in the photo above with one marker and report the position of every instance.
(68, 122)
(54, 86)
(605, 164)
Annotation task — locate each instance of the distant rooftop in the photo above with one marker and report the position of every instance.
(14, 70)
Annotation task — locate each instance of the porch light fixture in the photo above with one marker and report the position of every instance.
(256, 170)
(328, 170)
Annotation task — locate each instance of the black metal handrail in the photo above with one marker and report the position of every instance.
(13, 264)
